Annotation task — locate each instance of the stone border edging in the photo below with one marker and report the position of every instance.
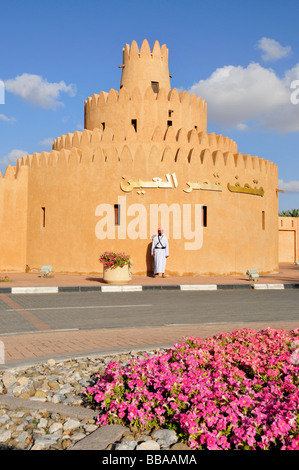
(77, 412)
(140, 288)
(96, 440)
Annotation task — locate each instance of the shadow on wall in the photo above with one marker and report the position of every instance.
(149, 261)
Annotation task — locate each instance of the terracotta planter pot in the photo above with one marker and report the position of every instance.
(117, 275)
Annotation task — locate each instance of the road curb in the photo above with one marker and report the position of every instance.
(268, 286)
(140, 288)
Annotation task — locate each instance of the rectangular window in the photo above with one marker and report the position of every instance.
(205, 216)
(263, 220)
(134, 124)
(169, 123)
(43, 216)
(155, 87)
(117, 214)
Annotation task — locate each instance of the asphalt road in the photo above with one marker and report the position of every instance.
(37, 312)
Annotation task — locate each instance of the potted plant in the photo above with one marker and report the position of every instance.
(117, 267)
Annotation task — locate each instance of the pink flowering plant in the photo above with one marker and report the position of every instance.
(112, 259)
(230, 391)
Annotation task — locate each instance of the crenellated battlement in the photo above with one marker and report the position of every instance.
(100, 136)
(145, 97)
(14, 173)
(113, 96)
(185, 149)
(143, 67)
(145, 51)
(145, 108)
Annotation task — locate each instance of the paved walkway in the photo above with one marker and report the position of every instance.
(288, 274)
(34, 347)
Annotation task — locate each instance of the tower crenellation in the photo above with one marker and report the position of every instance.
(145, 67)
(144, 116)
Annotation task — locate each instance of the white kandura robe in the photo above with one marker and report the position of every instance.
(160, 255)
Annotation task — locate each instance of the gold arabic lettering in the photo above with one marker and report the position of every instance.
(155, 183)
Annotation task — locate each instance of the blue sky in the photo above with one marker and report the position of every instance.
(242, 57)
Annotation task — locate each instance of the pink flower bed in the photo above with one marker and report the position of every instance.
(230, 391)
(112, 260)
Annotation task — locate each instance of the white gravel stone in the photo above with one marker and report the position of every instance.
(126, 445)
(51, 362)
(5, 436)
(38, 398)
(65, 389)
(4, 419)
(8, 379)
(55, 427)
(44, 443)
(148, 445)
(71, 424)
(22, 437)
(22, 380)
(165, 437)
(42, 423)
(90, 427)
(37, 428)
(58, 398)
(78, 436)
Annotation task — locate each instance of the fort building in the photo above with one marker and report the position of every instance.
(288, 241)
(144, 159)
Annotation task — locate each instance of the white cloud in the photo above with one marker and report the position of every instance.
(239, 97)
(12, 156)
(272, 50)
(7, 119)
(2, 92)
(47, 142)
(291, 75)
(242, 127)
(38, 91)
(290, 187)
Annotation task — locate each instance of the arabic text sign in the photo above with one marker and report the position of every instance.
(155, 183)
(171, 182)
(246, 189)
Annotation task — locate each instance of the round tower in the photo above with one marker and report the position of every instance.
(143, 68)
(145, 99)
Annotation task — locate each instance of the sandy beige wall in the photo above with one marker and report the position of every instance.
(148, 108)
(72, 184)
(13, 219)
(288, 239)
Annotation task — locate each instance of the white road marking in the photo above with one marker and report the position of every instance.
(82, 307)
